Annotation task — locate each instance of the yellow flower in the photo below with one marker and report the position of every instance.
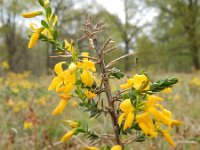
(146, 124)
(91, 148)
(61, 106)
(32, 14)
(87, 78)
(34, 38)
(168, 138)
(85, 54)
(87, 64)
(59, 79)
(46, 3)
(116, 147)
(69, 46)
(5, 65)
(64, 81)
(73, 124)
(74, 104)
(89, 94)
(141, 82)
(28, 125)
(127, 109)
(127, 85)
(68, 135)
(176, 97)
(160, 114)
(72, 67)
(167, 90)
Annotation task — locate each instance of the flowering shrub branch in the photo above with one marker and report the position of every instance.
(136, 107)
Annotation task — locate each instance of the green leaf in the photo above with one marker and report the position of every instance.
(41, 2)
(48, 12)
(52, 18)
(55, 36)
(162, 84)
(116, 73)
(44, 24)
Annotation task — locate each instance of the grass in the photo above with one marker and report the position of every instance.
(20, 92)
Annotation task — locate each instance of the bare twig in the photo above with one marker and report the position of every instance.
(109, 50)
(114, 61)
(105, 44)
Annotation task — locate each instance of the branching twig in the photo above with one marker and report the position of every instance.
(114, 61)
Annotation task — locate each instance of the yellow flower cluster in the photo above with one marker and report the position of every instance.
(195, 82)
(149, 109)
(64, 82)
(115, 147)
(17, 106)
(40, 30)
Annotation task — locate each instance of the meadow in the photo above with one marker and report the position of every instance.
(27, 123)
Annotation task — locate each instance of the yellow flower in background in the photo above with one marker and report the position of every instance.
(87, 78)
(146, 124)
(5, 65)
(176, 97)
(31, 14)
(141, 82)
(68, 135)
(34, 37)
(91, 148)
(74, 104)
(127, 113)
(168, 138)
(89, 94)
(167, 91)
(10, 103)
(28, 125)
(116, 147)
(195, 81)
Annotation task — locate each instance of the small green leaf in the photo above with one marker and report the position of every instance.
(44, 24)
(48, 12)
(116, 73)
(162, 84)
(55, 36)
(41, 2)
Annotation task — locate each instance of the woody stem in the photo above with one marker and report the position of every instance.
(107, 88)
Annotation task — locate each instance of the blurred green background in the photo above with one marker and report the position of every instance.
(164, 34)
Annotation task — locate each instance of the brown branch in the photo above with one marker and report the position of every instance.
(109, 50)
(114, 61)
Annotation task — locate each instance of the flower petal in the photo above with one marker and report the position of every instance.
(68, 135)
(60, 108)
(126, 105)
(58, 68)
(120, 119)
(129, 121)
(87, 78)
